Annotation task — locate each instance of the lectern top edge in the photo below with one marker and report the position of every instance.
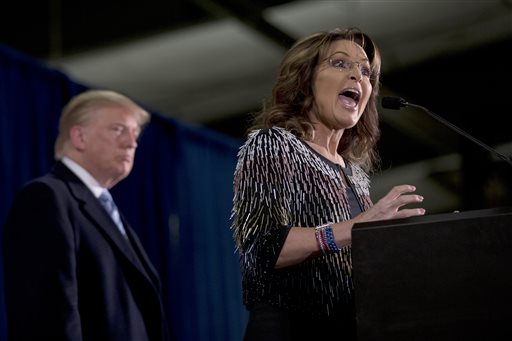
(432, 218)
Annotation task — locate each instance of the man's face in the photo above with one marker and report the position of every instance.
(110, 140)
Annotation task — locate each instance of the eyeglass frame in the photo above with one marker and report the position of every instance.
(350, 64)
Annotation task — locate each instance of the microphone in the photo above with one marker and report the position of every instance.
(396, 103)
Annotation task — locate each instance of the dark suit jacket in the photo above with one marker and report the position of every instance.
(70, 274)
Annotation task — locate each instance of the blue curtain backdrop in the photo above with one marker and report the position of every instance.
(178, 197)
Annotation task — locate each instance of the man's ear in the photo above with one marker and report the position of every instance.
(76, 137)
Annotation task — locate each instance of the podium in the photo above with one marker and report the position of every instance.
(435, 277)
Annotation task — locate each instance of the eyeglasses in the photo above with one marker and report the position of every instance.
(343, 64)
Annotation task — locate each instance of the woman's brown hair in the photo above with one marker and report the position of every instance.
(292, 95)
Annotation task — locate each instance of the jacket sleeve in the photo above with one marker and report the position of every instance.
(39, 263)
(260, 207)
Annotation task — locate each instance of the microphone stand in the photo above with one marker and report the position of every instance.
(402, 102)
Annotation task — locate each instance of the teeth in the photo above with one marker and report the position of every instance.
(352, 90)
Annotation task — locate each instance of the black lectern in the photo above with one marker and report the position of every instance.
(435, 277)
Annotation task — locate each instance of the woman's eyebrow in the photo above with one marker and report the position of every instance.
(346, 54)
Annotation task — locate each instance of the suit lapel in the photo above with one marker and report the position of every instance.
(93, 210)
(139, 250)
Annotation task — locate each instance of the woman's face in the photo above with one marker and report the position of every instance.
(341, 86)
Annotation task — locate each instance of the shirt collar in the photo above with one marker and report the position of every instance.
(83, 175)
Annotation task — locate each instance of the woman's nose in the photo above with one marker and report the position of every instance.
(355, 73)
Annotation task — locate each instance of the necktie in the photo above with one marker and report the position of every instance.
(109, 205)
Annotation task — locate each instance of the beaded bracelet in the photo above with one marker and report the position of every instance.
(325, 238)
(330, 240)
(321, 239)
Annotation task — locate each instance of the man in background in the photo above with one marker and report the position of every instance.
(74, 269)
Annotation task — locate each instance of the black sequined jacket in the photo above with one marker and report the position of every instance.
(281, 182)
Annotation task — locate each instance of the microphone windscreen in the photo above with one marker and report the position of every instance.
(394, 103)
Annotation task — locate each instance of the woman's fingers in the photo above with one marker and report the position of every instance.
(389, 206)
(409, 212)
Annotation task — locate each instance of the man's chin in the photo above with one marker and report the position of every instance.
(123, 171)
